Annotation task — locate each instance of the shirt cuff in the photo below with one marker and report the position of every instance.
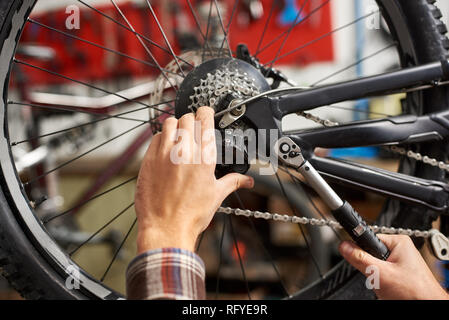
(168, 273)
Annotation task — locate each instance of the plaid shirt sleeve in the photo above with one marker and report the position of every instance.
(167, 273)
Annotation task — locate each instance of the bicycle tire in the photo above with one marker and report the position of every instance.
(33, 272)
(430, 43)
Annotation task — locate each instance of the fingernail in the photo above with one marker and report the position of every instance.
(346, 248)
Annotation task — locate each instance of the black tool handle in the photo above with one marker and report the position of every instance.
(362, 234)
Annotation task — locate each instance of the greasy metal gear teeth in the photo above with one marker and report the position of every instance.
(219, 84)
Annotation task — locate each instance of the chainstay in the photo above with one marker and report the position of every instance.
(331, 223)
(394, 149)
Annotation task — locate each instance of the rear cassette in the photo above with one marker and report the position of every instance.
(216, 83)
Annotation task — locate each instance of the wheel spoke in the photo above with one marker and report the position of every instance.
(118, 250)
(116, 116)
(101, 229)
(297, 24)
(298, 15)
(139, 38)
(98, 45)
(83, 83)
(207, 29)
(197, 22)
(220, 257)
(165, 37)
(236, 246)
(69, 109)
(321, 37)
(267, 22)
(292, 208)
(79, 205)
(130, 30)
(209, 37)
(223, 28)
(265, 250)
(354, 64)
(82, 155)
(228, 27)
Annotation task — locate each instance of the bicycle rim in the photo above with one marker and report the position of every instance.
(18, 199)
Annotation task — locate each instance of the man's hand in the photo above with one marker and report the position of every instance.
(175, 201)
(405, 275)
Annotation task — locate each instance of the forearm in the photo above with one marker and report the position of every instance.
(168, 273)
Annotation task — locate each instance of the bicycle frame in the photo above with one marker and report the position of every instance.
(267, 113)
(382, 84)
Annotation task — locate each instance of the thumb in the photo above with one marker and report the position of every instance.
(357, 257)
(234, 181)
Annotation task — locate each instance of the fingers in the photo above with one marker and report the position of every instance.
(168, 134)
(155, 143)
(188, 129)
(358, 258)
(187, 123)
(233, 182)
(392, 241)
(195, 124)
(205, 135)
(205, 118)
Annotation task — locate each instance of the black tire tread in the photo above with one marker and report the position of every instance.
(20, 263)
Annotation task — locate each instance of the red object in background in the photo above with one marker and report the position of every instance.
(242, 251)
(315, 24)
(85, 62)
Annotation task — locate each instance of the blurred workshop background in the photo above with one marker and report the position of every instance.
(366, 41)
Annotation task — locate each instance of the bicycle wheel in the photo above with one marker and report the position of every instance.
(38, 267)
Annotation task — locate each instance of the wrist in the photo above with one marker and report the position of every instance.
(154, 238)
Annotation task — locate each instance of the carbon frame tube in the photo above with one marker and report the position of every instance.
(404, 129)
(382, 84)
(431, 194)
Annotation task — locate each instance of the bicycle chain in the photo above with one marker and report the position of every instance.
(321, 222)
(419, 157)
(395, 149)
(333, 224)
(324, 122)
(222, 82)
